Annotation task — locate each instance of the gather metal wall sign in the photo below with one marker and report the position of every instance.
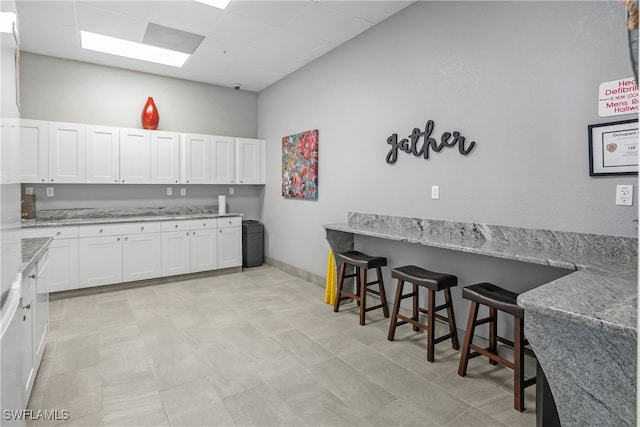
(413, 145)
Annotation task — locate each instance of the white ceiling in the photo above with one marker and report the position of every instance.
(254, 43)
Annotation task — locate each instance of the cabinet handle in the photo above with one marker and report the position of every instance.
(126, 239)
(123, 180)
(176, 181)
(116, 180)
(141, 228)
(58, 233)
(43, 180)
(194, 233)
(27, 307)
(204, 224)
(176, 225)
(51, 179)
(118, 239)
(232, 181)
(33, 276)
(100, 230)
(187, 233)
(187, 181)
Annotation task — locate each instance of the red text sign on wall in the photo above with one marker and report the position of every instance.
(618, 97)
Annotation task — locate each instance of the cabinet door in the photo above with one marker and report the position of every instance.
(248, 165)
(141, 256)
(223, 163)
(204, 250)
(195, 158)
(229, 247)
(27, 312)
(103, 154)
(165, 157)
(67, 152)
(9, 151)
(100, 260)
(34, 151)
(176, 253)
(41, 309)
(135, 156)
(63, 265)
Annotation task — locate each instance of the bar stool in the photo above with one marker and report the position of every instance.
(362, 263)
(496, 299)
(434, 282)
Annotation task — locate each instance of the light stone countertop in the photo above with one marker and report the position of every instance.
(32, 251)
(68, 217)
(582, 326)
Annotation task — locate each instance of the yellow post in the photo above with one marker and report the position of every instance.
(330, 285)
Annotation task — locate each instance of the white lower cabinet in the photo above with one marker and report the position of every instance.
(63, 256)
(42, 308)
(95, 255)
(141, 256)
(229, 242)
(176, 253)
(100, 260)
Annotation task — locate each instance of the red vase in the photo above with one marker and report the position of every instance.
(150, 117)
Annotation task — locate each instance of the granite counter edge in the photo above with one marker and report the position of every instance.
(119, 220)
(32, 251)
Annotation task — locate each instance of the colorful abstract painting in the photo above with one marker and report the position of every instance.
(300, 165)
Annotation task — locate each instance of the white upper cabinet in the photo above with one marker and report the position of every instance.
(249, 161)
(34, 151)
(195, 158)
(66, 152)
(135, 156)
(165, 157)
(223, 160)
(103, 154)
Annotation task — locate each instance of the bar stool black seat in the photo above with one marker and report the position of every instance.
(434, 282)
(496, 299)
(361, 262)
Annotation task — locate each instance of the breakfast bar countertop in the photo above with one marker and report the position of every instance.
(68, 217)
(582, 326)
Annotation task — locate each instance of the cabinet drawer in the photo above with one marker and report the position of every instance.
(175, 226)
(234, 221)
(101, 230)
(70, 232)
(141, 227)
(201, 224)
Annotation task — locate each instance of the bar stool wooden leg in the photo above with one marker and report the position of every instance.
(363, 294)
(383, 295)
(431, 324)
(357, 286)
(493, 331)
(336, 305)
(416, 315)
(452, 320)
(518, 372)
(395, 310)
(468, 338)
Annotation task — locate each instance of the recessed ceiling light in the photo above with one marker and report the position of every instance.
(134, 50)
(220, 4)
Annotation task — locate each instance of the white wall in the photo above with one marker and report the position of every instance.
(519, 78)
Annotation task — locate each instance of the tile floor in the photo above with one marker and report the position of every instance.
(254, 348)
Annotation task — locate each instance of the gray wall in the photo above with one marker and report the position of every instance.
(61, 90)
(519, 78)
(71, 91)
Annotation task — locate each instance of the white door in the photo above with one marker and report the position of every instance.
(135, 156)
(100, 260)
(63, 265)
(34, 151)
(248, 160)
(176, 253)
(204, 250)
(165, 157)
(195, 158)
(67, 152)
(103, 154)
(229, 247)
(141, 256)
(223, 164)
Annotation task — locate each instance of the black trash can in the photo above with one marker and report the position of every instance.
(252, 243)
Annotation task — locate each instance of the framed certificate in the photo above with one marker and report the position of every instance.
(613, 148)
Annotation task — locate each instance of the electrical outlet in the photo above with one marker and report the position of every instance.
(49, 191)
(183, 191)
(169, 191)
(231, 191)
(28, 190)
(624, 195)
(435, 192)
